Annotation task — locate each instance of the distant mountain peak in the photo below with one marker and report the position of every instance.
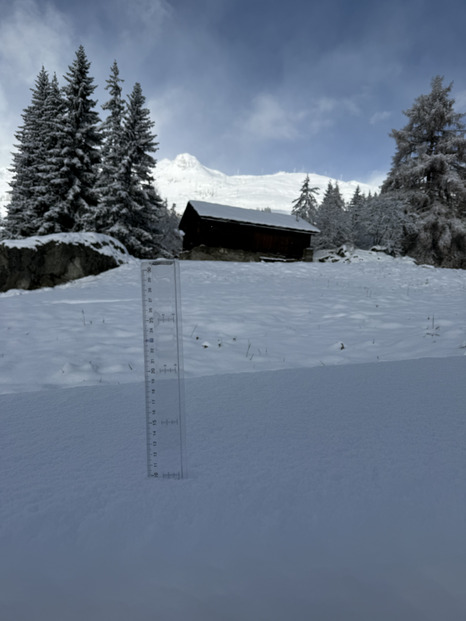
(185, 178)
(186, 160)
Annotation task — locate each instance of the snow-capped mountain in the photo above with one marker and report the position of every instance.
(185, 178)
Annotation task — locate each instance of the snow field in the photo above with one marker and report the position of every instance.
(236, 318)
(311, 315)
(302, 500)
(318, 488)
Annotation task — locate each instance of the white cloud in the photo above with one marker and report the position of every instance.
(269, 119)
(168, 108)
(181, 122)
(330, 105)
(460, 101)
(146, 11)
(376, 178)
(6, 132)
(379, 117)
(326, 111)
(140, 21)
(32, 36)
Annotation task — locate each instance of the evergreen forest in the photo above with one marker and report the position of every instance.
(421, 208)
(74, 172)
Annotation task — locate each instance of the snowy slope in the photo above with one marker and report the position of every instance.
(318, 489)
(185, 178)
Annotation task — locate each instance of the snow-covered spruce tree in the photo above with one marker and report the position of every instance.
(109, 183)
(82, 139)
(332, 219)
(429, 168)
(384, 220)
(25, 209)
(138, 225)
(52, 170)
(305, 206)
(355, 214)
(171, 241)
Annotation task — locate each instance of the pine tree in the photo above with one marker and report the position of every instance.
(429, 168)
(52, 171)
(384, 221)
(57, 184)
(140, 207)
(25, 209)
(171, 242)
(109, 183)
(81, 148)
(355, 214)
(332, 219)
(305, 206)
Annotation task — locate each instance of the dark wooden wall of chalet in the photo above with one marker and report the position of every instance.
(222, 234)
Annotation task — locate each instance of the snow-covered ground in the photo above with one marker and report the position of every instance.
(326, 438)
(236, 318)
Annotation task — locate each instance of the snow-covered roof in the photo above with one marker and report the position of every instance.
(252, 216)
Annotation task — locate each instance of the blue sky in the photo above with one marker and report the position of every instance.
(248, 86)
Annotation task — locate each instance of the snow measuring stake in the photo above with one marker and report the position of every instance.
(163, 357)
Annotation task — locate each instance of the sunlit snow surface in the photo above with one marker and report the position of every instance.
(319, 488)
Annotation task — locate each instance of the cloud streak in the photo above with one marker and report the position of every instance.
(269, 119)
(379, 117)
(29, 35)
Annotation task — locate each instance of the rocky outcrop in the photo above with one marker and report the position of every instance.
(49, 260)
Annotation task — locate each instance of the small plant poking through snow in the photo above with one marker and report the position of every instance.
(432, 330)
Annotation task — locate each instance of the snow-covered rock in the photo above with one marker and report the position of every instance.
(49, 260)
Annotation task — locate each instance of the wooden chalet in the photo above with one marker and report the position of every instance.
(223, 226)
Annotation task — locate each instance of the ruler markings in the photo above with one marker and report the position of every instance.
(164, 389)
